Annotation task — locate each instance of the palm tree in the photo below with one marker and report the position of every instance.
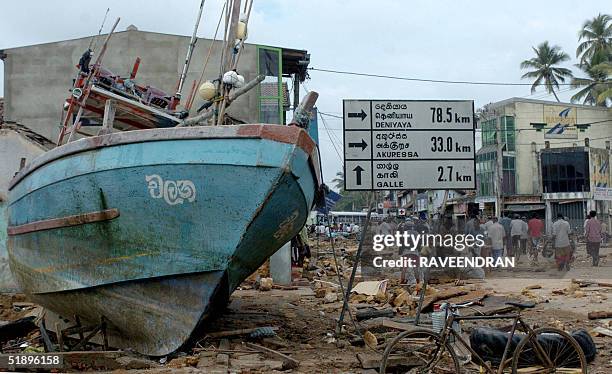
(597, 35)
(598, 81)
(605, 68)
(339, 181)
(546, 71)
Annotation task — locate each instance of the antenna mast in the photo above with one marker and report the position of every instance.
(189, 52)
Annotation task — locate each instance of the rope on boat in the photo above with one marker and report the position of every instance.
(210, 49)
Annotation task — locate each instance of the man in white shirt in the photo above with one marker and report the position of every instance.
(488, 223)
(563, 253)
(496, 233)
(516, 228)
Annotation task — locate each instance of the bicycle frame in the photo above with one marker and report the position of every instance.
(516, 317)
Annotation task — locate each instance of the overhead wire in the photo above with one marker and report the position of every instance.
(427, 80)
(332, 140)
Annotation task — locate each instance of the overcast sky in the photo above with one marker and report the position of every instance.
(449, 40)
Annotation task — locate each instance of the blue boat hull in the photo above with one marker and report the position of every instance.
(191, 216)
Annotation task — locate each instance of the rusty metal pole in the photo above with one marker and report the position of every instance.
(349, 286)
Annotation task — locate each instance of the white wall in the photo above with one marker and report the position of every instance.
(13, 147)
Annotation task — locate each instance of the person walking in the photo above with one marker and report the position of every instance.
(524, 235)
(496, 234)
(488, 223)
(506, 224)
(535, 227)
(592, 234)
(561, 231)
(516, 228)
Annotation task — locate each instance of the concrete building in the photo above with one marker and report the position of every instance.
(527, 128)
(575, 181)
(37, 78)
(18, 145)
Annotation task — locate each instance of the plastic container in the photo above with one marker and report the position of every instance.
(438, 317)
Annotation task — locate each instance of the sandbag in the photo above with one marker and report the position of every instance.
(586, 343)
(490, 344)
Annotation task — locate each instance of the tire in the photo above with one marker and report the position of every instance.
(428, 344)
(564, 353)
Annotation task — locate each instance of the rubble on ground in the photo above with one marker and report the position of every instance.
(269, 327)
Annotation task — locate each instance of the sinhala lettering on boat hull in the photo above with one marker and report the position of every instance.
(173, 192)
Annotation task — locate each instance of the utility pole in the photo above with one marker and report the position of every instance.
(499, 170)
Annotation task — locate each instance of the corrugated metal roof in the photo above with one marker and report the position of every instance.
(28, 134)
(487, 149)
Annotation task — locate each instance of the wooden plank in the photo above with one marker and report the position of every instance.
(288, 362)
(397, 325)
(109, 115)
(603, 331)
(54, 223)
(222, 334)
(442, 295)
(223, 358)
(372, 360)
(368, 314)
(600, 315)
(586, 283)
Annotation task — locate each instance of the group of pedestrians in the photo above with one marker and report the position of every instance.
(513, 235)
(516, 233)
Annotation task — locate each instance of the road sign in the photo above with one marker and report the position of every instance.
(404, 144)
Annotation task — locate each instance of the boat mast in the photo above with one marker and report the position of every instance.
(81, 98)
(189, 53)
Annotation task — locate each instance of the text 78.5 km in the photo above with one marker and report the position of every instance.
(446, 115)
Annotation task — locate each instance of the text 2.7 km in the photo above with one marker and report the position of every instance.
(447, 175)
(446, 115)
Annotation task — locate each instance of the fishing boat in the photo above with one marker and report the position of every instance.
(148, 231)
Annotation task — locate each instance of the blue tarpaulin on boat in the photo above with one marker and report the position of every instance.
(331, 198)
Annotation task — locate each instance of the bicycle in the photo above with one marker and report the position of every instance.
(422, 350)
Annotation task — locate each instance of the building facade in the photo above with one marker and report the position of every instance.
(37, 78)
(533, 132)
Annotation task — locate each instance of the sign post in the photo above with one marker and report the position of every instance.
(403, 144)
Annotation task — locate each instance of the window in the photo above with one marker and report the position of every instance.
(509, 133)
(271, 100)
(565, 171)
(488, 132)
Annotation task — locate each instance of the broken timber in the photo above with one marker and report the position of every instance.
(288, 362)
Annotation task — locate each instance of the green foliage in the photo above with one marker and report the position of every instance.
(597, 82)
(351, 200)
(597, 35)
(545, 67)
(595, 53)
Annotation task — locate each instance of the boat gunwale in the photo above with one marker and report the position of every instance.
(279, 133)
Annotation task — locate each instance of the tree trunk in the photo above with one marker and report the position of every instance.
(556, 97)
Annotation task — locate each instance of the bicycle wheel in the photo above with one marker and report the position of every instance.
(419, 351)
(555, 352)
